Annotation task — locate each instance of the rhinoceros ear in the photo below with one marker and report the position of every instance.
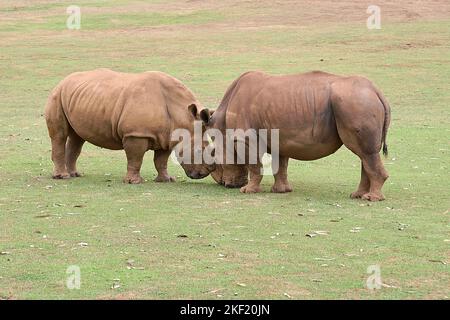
(205, 116)
(193, 110)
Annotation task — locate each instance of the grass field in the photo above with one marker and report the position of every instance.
(195, 239)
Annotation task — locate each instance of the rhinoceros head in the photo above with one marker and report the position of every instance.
(228, 175)
(193, 162)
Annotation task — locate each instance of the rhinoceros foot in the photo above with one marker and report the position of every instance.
(165, 179)
(251, 189)
(135, 179)
(281, 188)
(357, 194)
(63, 175)
(373, 196)
(75, 174)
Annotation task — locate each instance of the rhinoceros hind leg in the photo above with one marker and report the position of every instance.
(360, 119)
(58, 154)
(364, 185)
(58, 128)
(281, 184)
(377, 175)
(135, 149)
(253, 186)
(160, 160)
(373, 175)
(73, 150)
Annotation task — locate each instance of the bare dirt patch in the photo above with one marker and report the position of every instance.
(256, 13)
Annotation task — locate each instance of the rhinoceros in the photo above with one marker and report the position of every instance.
(114, 110)
(315, 112)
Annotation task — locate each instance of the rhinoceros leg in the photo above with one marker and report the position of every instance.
(160, 160)
(377, 175)
(364, 185)
(373, 174)
(135, 149)
(73, 150)
(58, 154)
(58, 129)
(253, 185)
(281, 184)
(360, 119)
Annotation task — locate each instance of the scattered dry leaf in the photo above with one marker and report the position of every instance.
(43, 215)
(215, 290)
(384, 285)
(402, 226)
(115, 285)
(438, 261)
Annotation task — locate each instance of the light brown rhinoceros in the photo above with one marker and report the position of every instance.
(114, 110)
(315, 112)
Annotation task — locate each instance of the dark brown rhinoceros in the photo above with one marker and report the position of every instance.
(114, 110)
(315, 112)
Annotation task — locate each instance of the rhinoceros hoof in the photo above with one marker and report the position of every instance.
(165, 179)
(133, 179)
(64, 175)
(357, 194)
(372, 196)
(281, 188)
(75, 174)
(251, 189)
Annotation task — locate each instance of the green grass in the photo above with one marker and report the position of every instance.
(256, 240)
(112, 22)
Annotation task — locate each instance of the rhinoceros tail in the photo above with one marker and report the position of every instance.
(387, 120)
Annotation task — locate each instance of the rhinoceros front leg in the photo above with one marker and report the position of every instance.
(135, 149)
(160, 160)
(253, 185)
(281, 184)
